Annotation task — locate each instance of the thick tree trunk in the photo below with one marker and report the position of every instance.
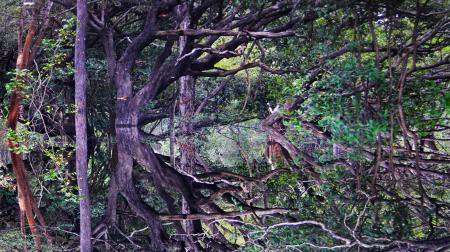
(81, 128)
(126, 134)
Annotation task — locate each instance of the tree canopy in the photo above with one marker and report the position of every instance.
(211, 125)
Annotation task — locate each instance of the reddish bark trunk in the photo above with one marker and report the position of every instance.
(27, 204)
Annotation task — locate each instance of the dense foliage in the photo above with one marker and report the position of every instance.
(311, 125)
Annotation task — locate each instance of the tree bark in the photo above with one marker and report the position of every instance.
(81, 128)
(187, 110)
(27, 204)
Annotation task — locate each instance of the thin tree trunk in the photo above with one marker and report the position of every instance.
(80, 126)
(187, 110)
(27, 204)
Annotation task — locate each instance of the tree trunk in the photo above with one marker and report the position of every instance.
(126, 134)
(27, 204)
(187, 110)
(80, 127)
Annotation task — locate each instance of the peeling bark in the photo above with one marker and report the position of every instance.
(27, 204)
